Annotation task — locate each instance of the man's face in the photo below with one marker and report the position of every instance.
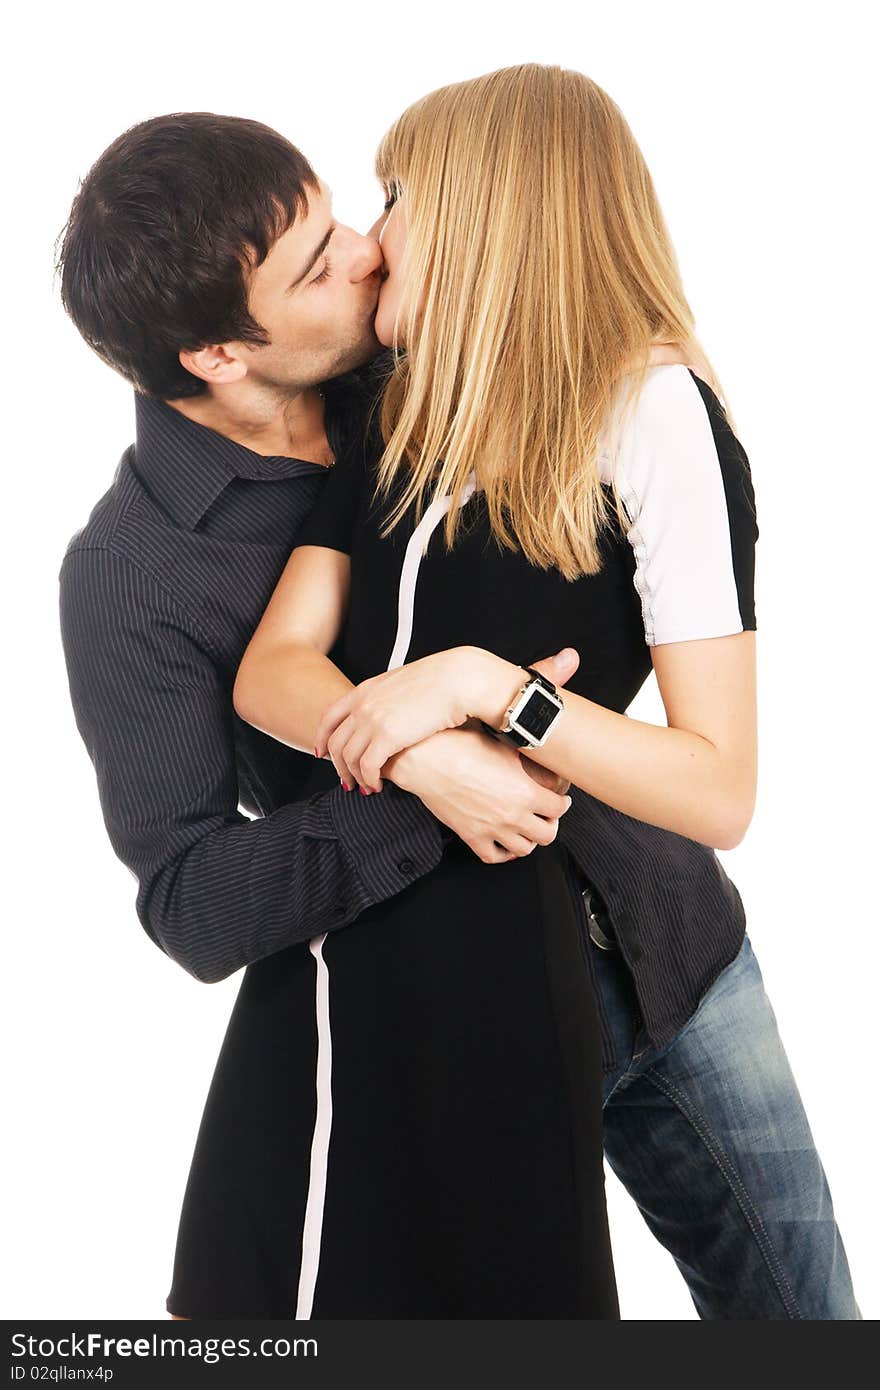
(315, 294)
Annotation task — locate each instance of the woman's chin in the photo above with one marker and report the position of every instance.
(383, 331)
(383, 327)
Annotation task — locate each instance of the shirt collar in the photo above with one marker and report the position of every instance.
(185, 466)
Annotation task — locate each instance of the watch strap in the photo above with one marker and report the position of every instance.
(512, 736)
(542, 680)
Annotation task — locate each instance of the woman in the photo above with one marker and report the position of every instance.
(547, 480)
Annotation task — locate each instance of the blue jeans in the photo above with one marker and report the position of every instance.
(709, 1137)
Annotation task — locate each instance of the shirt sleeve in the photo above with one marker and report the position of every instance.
(686, 486)
(216, 890)
(332, 520)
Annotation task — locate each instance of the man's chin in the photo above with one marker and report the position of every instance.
(355, 356)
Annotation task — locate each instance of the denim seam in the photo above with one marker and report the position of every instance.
(756, 1225)
(627, 1076)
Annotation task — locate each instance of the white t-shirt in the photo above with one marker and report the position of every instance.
(686, 485)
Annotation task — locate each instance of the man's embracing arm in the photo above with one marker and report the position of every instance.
(216, 890)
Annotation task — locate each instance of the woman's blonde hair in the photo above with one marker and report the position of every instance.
(537, 274)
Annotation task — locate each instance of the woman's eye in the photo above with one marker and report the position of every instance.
(325, 275)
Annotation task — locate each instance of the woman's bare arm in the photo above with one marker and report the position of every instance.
(285, 679)
(697, 776)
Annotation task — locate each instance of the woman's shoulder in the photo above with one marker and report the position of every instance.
(686, 486)
(680, 425)
(674, 391)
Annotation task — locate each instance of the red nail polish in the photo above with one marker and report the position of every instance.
(364, 791)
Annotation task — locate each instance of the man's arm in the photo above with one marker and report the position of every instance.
(215, 889)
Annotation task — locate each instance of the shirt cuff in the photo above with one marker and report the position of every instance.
(390, 836)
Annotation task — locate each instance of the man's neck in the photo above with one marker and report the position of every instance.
(272, 425)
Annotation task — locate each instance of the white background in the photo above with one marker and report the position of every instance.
(756, 125)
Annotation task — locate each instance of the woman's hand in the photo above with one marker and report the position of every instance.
(383, 715)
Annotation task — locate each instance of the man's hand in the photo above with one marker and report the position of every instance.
(500, 804)
(543, 776)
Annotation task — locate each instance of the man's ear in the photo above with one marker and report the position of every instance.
(216, 365)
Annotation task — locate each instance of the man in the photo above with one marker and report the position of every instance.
(202, 262)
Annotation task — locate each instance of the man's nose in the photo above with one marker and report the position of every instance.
(365, 256)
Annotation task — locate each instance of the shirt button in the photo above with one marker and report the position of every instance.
(406, 866)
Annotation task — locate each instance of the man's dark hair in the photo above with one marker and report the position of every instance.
(160, 237)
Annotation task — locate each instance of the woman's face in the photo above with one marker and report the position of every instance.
(391, 231)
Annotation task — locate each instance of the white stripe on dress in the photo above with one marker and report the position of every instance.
(409, 574)
(314, 1217)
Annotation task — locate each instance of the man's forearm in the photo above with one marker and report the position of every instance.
(216, 890)
(243, 891)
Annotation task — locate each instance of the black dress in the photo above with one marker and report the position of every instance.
(405, 1118)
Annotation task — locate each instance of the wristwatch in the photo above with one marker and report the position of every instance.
(535, 709)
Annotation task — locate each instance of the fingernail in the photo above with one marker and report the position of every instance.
(344, 785)
(364, 791)
(316, 753)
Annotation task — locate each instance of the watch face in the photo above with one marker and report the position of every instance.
(538, 713)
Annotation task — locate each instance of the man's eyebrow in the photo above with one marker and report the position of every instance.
(318, 251)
